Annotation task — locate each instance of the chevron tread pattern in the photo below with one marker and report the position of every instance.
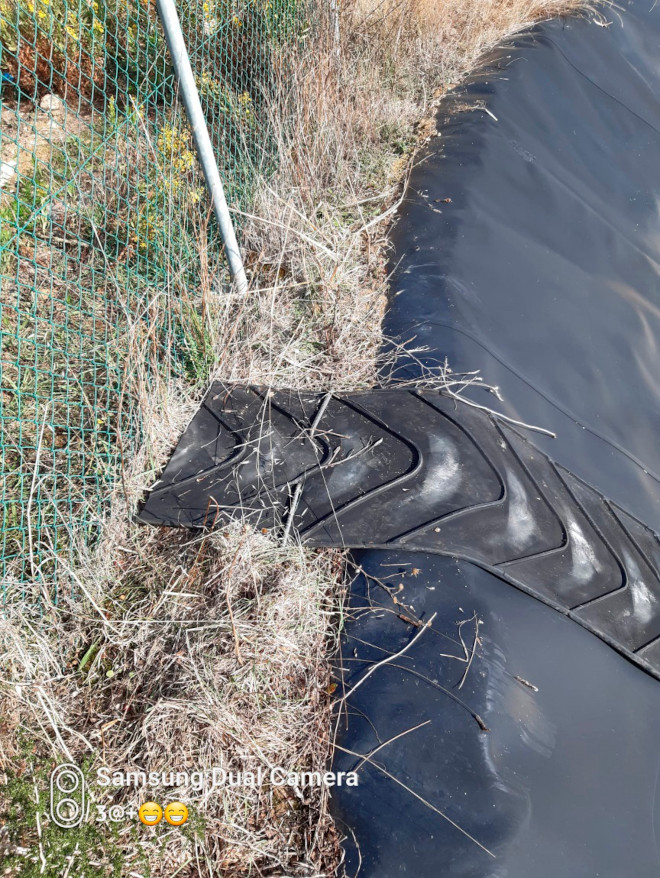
(418, 471)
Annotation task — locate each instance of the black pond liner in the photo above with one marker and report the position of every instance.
(542, 272)
(518, 733)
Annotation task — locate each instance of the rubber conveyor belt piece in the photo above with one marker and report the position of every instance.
(418, 471)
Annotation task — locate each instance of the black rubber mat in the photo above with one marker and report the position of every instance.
(420, 471)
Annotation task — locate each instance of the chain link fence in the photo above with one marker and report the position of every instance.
(100, 205)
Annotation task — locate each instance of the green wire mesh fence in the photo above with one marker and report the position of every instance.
(100, 201)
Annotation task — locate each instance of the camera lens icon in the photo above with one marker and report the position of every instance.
(67, 780)
(68, 812)
(67, 796)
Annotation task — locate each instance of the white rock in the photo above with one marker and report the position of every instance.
(7, 173)
(54, 106)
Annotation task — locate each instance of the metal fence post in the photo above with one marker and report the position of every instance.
(336, 36)
(188, 90)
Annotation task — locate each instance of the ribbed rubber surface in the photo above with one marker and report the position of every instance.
(418, 471)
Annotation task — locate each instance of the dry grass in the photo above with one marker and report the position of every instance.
(163, 650)
(141, 666)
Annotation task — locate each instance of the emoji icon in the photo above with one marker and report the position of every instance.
(150, 813)
(176, 813)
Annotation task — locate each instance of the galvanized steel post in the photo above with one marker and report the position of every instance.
(190, 96)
